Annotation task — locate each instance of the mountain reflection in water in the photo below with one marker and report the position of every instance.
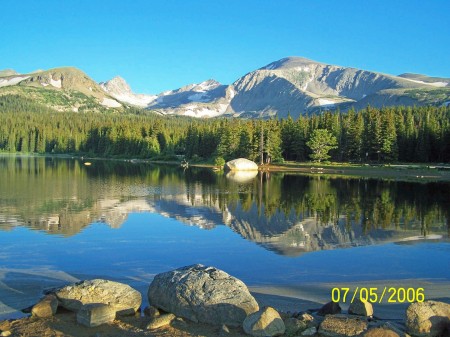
(285, 213)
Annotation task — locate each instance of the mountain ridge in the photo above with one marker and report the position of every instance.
(62, 88)
(290, 86)
(297, 85)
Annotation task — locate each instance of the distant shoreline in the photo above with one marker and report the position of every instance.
(416, 172)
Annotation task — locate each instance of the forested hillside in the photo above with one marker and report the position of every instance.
(404, 134)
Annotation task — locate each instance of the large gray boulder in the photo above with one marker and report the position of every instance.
(241, 164)
(202, 294)
(121, 297)
(429, 318)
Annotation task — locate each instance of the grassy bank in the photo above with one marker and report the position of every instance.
(417, 172)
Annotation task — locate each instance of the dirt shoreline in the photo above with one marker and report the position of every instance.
(295, 298)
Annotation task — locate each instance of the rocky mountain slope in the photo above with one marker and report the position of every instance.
(118, 88)
(295, 86)
(290, 86)
(63, 89)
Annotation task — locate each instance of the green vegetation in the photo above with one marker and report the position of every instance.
(67, 100)
(429, 95)
(388, 135)
(320, 143)
(219, 162)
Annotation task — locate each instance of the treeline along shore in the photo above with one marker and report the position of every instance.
(386, 135)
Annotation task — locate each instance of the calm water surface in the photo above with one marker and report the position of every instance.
(61, 221)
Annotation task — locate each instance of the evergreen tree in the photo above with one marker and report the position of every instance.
(320, 143)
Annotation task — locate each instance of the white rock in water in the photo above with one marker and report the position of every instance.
(95, 314)
(124, 299)
(202, 294)
(241, 164)
(241, 176)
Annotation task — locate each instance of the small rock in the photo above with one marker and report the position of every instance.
(160, 321)
(331, 308)
(46, 307)
(294, 325)
(380, 332)
(396, 327)
(224, 331)
(5, 325)
(263, 323)
(429, 318)
(361, 308)
(95, 314)
(342, 326)
(180, 321)
(151, 311)
(309, 332)
(6, 333)
(308, 319)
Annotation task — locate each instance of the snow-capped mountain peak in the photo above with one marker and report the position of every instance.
(118, 88)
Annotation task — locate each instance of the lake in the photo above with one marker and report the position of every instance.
(62, 221)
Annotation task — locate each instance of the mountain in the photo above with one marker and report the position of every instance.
(63, 89)
(205, 99)
(119, 89)
(7, 72)
(297, 85)
(290, 86)
(434, 81)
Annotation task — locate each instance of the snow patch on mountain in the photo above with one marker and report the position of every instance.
(120, 90)
(434, 84)
(56, 84)
(205, 112)
(206, 85)
(110, 103)
(141, 100)
(326, 102)
(305, 69)
(4, 82)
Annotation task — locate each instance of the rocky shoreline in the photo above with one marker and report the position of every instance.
(205, 301)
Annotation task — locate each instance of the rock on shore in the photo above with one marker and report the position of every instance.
(429, 318)
(266, 322)
(202, 294)
(121, 297)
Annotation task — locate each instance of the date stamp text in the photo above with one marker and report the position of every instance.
(377, 295)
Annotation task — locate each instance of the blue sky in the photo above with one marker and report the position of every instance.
(162, 45)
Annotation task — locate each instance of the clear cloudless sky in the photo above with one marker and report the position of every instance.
(159, 45)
